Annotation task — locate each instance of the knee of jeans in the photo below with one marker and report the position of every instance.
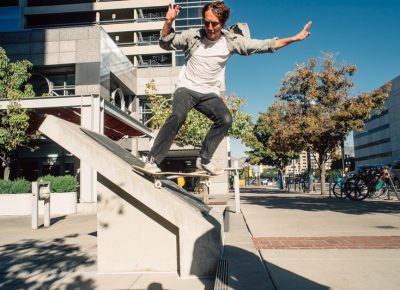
(179, 117)
(227, 120)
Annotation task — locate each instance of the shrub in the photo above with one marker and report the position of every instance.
(65, 183)
(19, 185)
(5, 186)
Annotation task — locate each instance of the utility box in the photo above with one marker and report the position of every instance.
(40, 192)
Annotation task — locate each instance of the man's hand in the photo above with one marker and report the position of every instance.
(172, 13)
(282, 42)
(304, 33)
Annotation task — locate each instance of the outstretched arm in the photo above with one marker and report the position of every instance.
(279, 43)
(172, 13)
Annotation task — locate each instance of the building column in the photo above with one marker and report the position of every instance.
(92, 118)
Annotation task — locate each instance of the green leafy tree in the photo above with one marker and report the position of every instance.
(14, 121)
(317, 104)
(273, 143)
(196, 126)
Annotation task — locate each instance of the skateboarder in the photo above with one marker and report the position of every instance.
(207, 51)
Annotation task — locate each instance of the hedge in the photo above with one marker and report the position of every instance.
(19, 185)
(65, 183)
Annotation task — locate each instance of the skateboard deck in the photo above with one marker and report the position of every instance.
(171, 175)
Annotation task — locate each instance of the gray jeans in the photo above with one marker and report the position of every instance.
(184, 100)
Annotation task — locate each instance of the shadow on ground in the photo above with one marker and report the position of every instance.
(242, 273)
(36, 264)
(282, 200)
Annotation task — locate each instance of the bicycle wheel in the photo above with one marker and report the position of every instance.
(356, 189)
(381, 191)
(396, 183)
(338, 191)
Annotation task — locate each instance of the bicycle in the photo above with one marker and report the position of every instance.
(338, 187)
(371, 181)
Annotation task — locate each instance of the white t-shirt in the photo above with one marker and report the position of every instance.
(204, 72)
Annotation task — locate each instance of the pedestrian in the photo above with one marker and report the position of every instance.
(207, 51)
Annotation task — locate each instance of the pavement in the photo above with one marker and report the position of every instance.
(276, 241)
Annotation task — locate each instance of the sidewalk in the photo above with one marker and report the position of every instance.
(279, 241)
(309, 241)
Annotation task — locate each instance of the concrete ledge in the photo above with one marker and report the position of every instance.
(61, 203)
(141, 228)
(86, 208)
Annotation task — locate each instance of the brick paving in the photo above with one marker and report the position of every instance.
(314, 243)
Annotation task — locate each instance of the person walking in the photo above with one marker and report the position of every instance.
(207, 51)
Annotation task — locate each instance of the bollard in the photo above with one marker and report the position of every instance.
(236, 187)
(35, 206)
(40, 191)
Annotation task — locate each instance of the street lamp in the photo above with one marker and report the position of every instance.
(343, 162)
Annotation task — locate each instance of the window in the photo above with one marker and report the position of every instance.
(58, 2)
(8, 3)
(371, 131)
(61, 19)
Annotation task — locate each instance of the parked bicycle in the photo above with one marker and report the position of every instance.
(369, 181)
(366, 181)
(338, 186)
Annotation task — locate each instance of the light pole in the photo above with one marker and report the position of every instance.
(343, 163)
(309, 168)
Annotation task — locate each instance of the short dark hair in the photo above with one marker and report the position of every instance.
(220, 9)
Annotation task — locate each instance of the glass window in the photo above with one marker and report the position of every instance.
(62, 19)
(10, 19)
(58, 2)
(195, 22)
(7, 3)
(194, 12)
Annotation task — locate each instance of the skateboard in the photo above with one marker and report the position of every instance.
(204, 176)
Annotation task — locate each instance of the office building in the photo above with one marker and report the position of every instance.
(67, 55)
(379, 141)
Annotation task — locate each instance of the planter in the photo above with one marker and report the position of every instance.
(61, 203)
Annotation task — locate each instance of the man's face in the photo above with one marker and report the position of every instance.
(212, 25)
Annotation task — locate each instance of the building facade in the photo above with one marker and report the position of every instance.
(379, 141)
(133, 27)
(80, 75)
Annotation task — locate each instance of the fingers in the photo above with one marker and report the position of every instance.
(306, 33)
(175, 7)
(307, 26)
(173, 11)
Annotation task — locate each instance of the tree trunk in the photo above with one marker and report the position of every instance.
(6, 174)
(6, 164)
(282, 173)
(323, 174)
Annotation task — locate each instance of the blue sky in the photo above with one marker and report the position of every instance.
(361, 32)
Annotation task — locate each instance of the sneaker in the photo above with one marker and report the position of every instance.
(151, 166)
(209, 167)
(198, 164)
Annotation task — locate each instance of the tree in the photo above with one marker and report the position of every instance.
(319, 106)
(14, 119)
(273, 143)
(196, 126)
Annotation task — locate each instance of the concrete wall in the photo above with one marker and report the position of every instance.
(89, 49)
(142, 228)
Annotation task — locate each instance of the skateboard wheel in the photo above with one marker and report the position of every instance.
(208, 183)
(157, 184)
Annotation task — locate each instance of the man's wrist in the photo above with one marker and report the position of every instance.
(169, 21)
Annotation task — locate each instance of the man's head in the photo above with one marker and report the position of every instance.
(215, 15)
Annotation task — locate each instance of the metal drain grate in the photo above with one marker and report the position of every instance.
(222, 275)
